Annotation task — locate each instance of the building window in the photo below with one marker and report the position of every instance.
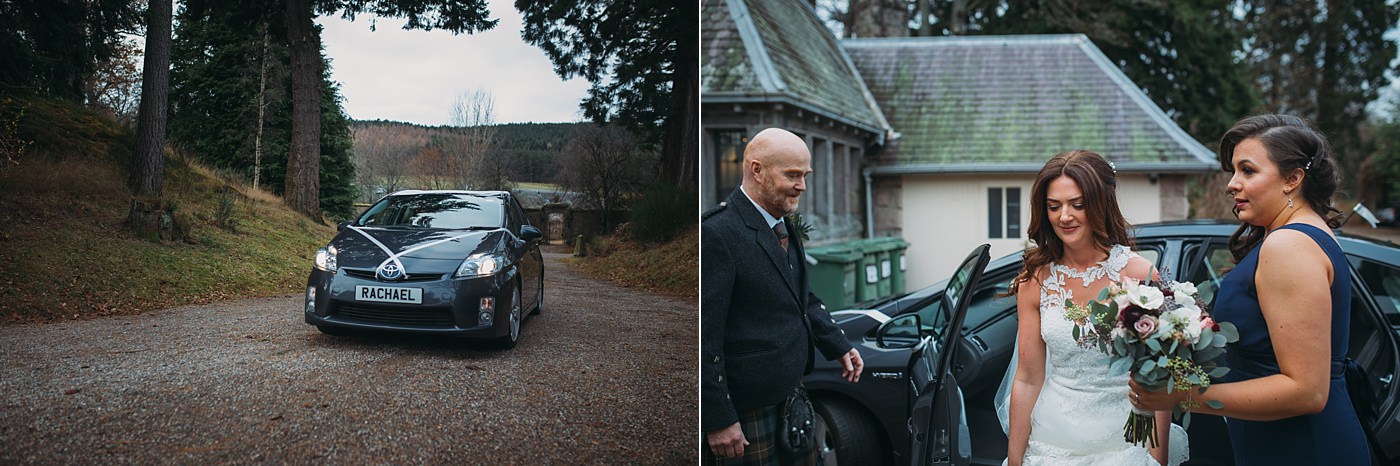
(729, 146)
(1003, 213)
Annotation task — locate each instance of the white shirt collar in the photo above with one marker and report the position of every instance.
(766, 216)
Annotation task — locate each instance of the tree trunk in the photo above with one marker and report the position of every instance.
(148, 170)
(957, 21)
(262, 112)
(925, 18)
(879, 18)
(302, 191)
(680, 151)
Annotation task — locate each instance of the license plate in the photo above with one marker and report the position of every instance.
(389, 294)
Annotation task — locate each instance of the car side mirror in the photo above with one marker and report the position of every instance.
(530, 233)
(342, 225)
(900, 332)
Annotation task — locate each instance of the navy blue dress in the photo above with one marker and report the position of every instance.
(1332, 437)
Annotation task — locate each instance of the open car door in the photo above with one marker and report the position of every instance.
(938, 432)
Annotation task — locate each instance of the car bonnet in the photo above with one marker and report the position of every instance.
(368, 247)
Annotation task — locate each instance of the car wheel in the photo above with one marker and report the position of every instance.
(336, 331)
(845, 435)
(513, 319)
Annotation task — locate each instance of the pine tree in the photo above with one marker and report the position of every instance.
(641, 57)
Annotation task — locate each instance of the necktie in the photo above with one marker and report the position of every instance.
(779, 230)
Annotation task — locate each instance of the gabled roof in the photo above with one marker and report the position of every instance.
(1008, 103)
(779, 51)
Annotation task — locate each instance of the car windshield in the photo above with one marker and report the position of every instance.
(436, 210)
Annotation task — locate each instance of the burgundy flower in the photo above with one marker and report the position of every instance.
(1130, 315)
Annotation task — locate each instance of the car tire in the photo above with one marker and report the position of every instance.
(846, 435)
(334, 331)
(513, 321)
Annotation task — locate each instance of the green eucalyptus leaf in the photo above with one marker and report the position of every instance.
(1186, 420)
(1231, 333)
(1075, 332)
(1119, 366)
(1153, 345)
(1215, 404)
(1205, 340)
(1209, 354)
(1147, 367)
(1219, 372)
(1218, 341)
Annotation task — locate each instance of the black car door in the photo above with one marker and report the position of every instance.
(938, 432)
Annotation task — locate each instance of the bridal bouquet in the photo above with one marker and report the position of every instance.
(1160, 334)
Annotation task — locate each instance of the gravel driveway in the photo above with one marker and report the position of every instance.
(604, 375)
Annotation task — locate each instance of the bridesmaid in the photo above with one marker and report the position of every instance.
(1285, 399)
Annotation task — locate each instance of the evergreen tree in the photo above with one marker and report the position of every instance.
(1181, 53)
(337, 184)
(641, 57)
(52, 47)
(215, 98)
(1324, 61)
(221, 50)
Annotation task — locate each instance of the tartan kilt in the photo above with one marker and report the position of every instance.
(760, 427)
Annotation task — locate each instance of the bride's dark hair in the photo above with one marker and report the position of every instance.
(1099, 184)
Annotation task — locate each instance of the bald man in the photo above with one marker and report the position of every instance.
(759, 321)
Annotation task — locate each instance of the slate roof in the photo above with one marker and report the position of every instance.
(779, 51)
(1008, 103)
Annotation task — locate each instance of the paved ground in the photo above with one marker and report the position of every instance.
(606, 375)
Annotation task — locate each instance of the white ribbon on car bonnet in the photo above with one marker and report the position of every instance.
(394, 257)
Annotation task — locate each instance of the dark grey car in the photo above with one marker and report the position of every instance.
(459, 263)
(877, 420)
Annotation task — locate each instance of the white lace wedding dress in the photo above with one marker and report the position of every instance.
(1079, 417)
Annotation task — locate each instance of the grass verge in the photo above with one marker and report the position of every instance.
(671, 268)
(66, 253)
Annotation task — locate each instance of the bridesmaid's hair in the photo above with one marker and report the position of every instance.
(1292, 144)
(1099, 184)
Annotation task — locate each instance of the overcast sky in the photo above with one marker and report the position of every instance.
(414, 76)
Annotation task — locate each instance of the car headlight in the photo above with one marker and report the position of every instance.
(325, 258)
(479, 265)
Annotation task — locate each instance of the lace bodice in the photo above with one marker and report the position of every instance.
(1078, 419)
(1080, 368)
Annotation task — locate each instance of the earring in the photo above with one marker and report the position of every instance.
(1287, 193)
(1290, 202)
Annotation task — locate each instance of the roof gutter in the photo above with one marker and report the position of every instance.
(788, 99)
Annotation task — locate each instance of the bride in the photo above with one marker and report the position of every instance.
(1063, 406)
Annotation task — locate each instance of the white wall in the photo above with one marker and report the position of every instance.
(945, 216)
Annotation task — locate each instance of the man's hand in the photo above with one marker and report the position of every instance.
(851, 365)
(728, 442)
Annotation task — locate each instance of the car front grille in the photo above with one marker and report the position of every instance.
(412, 317)
(413, 277)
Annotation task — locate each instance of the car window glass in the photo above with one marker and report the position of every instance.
(514, 217)
(1152, 255)
(1384, 282)
(1209, 267)
(435, 210)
